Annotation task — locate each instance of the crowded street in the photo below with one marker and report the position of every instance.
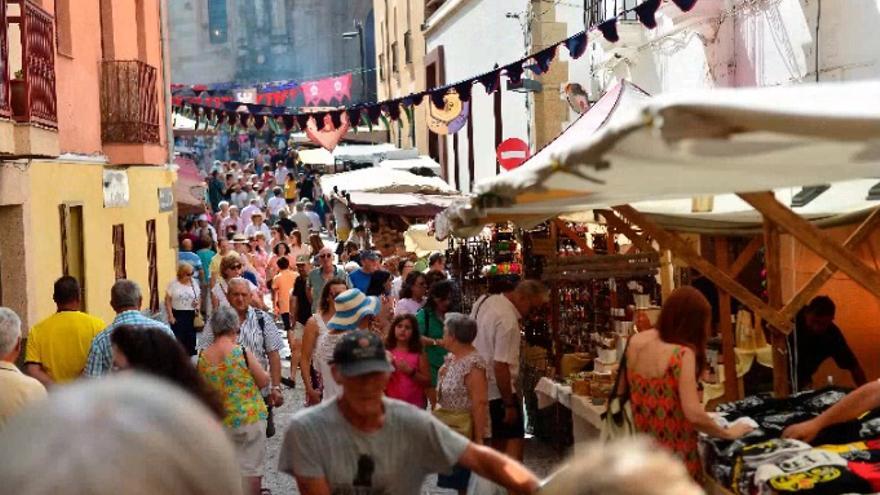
(444, 247)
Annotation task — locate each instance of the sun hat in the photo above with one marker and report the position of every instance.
(351, 306)
(239, 238)
(360, 353)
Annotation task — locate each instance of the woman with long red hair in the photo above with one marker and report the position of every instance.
(662, 368)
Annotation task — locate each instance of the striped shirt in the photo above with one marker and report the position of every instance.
(101, 356)
(259, 341)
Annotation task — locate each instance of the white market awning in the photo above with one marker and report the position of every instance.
(385, 181)
(682, 145)
(411, 163)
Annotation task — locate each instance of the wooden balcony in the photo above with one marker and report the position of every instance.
(27, 96)
(129, 102)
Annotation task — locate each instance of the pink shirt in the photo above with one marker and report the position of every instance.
(402, 386)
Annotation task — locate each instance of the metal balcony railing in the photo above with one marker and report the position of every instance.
(599, 11)
(30, 95)
(129, 102)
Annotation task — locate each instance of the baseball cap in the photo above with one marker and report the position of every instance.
(360, 353)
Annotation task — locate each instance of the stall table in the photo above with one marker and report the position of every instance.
(586, 417)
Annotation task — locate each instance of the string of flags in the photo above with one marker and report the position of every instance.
(218, 111)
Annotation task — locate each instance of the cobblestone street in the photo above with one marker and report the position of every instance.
(539, 457)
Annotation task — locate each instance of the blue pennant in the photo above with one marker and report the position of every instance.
(685, 5)
(609, 30)
(646, 11)
(577, 45)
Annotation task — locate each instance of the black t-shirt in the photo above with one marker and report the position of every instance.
(813, 349)
(303, 308)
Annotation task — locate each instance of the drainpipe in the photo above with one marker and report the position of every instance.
(166, 76)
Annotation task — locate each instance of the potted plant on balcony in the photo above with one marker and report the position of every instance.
(18, 93)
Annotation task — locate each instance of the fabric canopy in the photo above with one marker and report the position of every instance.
(411, 163)
(407, 205)
(686, 144)
(385, 181)
(189, 188)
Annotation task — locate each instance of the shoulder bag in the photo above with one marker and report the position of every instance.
(617, 420)
(198, 319)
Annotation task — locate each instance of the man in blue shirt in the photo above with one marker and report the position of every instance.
(126, 299)
(361, 278)
(186, 255)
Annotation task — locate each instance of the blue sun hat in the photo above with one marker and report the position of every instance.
(351, 307)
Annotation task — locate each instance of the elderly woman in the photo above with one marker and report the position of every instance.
(182, 299)
(133, 434)
(462, 391)
(231, 267)
(236, 374)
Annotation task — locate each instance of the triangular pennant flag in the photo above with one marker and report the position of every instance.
(576, 45)
(385, 122)
(259, 122)
(609, 30)
(302, 121)
(336, 118)
(646, 11)
(243, 119)
(221, 117)
(288, 121)
(685, 5)
(394, 110)
(354, 115)
(410, 115)
(374, 112)
(490, 81)
(437, 98)
(414, 99)
(464, 90)
(543, 59)
(514, 72)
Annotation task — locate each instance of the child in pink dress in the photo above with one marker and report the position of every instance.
(411, 372)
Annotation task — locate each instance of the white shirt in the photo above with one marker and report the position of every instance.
(303, 224)
(239, 199)
(183, 296)
(276, 204)
(281, 175)
(248, 211)
(498, 337)
(226, 222)
(315, 220)
(251, 230)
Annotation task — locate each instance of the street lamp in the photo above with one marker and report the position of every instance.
(359, 34)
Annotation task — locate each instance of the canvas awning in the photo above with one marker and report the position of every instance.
(385, 181)
(407, 205)
(189, 188)
(687, 144)
(411, 163)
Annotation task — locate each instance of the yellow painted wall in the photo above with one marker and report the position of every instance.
(53, 183)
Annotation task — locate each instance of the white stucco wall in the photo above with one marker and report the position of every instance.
(475, 36)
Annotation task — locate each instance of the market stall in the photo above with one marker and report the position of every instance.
(706, 146)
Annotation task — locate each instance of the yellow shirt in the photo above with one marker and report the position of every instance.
(18, 391)
(61, 343)
(290, 189)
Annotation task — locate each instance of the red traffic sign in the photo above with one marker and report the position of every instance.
(512, 153)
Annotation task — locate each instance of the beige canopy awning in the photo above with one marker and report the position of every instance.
(682, 145)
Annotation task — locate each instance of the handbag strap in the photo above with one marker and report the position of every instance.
(623, 397)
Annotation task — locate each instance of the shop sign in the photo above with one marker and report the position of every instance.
(116, 191)
(512, 153)
(166, 199)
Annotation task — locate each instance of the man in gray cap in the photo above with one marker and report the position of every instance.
(357, 442)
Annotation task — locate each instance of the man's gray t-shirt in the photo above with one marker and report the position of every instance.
(321, 443)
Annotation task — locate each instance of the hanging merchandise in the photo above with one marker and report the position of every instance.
(450, 117)
(329, 135)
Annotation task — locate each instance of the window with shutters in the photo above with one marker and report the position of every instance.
(153, 271)
(119, 251)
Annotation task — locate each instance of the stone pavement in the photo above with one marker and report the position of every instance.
(539, 457)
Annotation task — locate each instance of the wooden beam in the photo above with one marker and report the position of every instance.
(745, 257)
(825, 273)
(728, 342)
(816, 240)
(571, 234)
(622, 227)
(556, 354)
(773, 263)
(720, 278)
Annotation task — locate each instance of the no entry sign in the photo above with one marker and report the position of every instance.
(512, 153)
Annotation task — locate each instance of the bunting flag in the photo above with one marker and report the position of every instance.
(448, 105)
(329, 135)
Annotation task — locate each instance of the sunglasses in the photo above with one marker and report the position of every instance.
(235, 267)
(325, 256)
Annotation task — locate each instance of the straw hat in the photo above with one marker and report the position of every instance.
(351, 306)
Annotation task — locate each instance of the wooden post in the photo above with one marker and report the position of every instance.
(554, 305)
(728, 342)
(667, 273)
(778, 340)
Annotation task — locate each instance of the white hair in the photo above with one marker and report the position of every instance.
(238, 281)
(224, 321)
(626, 467)
(132, 435)
(10, 330)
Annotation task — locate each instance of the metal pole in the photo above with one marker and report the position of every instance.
(360, 30)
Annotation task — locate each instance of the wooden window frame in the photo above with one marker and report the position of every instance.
(119, 270)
